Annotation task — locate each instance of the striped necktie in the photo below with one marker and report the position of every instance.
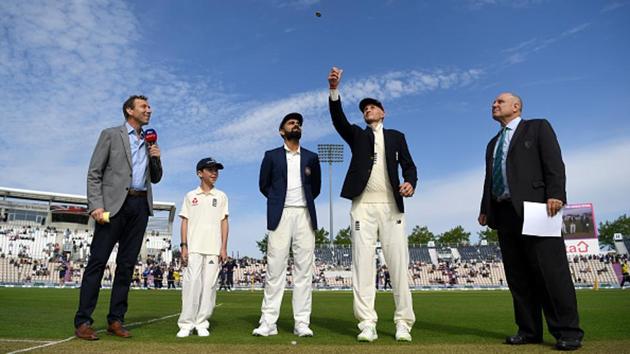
(498, 184)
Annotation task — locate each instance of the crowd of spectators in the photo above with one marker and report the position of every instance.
(49, 256)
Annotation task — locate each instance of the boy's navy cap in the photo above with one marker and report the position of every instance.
(293, 115)
(368, 100)
(207, 163)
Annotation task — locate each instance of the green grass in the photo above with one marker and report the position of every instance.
(446, 321)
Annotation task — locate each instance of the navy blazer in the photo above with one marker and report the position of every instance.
(273, 183)
(535, 170)
(361, 142)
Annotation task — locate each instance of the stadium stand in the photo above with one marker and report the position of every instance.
(487, 253)
(47, 256)
(589, 270)
(38, 248)
(419, 254)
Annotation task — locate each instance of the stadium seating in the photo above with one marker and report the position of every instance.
(36, 255)
(419, 254)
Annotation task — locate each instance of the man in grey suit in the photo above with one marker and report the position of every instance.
(121, 171)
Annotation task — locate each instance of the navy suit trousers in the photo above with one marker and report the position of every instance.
(127, 229)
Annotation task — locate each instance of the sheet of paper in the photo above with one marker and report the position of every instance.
(537, 223)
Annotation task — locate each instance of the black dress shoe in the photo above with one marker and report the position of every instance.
(568, 344)
(518, 339)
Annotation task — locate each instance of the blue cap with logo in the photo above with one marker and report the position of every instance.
(209, 162)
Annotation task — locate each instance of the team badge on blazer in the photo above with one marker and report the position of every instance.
(307, 171)
(214, 202)
(195, 202)
(528, 144)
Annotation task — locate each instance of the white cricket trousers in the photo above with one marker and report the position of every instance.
(295, 225)
(199, 291)
(372, 221)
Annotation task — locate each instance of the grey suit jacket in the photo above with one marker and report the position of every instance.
(109, 174)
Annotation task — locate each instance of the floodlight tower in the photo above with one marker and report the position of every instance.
(330, 153)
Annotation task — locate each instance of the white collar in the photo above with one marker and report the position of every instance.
(297, 152)
(200, 191)
(513, 123)
(379, 127)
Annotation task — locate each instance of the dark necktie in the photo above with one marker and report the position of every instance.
(498, 184)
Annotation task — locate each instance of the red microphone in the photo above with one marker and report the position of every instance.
(150, 136)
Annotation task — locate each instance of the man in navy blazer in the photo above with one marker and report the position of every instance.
(524, 163)
(290, 179)
(373, 185)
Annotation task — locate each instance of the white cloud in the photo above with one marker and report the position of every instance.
(66, 68)
(480, 4)
(257, 121)
(595, 174)
(600, 174)
(613, 6)
(298, 4)
(70, 65)
(520, 52)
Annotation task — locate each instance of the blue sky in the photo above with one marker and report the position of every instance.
(220, 75)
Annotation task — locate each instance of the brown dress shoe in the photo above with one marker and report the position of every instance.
(116, 328)
(85, 331)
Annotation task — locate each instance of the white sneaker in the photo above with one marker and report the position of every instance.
(302, 330)
(265, 330)
(203, 332)
(368, 334)
(402, 333)
(183, 333)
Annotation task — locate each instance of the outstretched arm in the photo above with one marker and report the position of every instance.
(340, 122)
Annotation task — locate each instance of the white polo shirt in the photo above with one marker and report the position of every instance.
(204, 212)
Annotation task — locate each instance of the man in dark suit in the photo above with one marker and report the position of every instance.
(524, 163)
(373, 185)
(290, 179)
(120, 201)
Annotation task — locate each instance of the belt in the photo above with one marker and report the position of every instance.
(136, 193)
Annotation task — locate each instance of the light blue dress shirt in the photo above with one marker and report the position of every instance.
(138, 159)
(506, 145)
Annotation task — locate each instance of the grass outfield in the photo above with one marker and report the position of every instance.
(447, 321)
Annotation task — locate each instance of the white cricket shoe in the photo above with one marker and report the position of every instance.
(402, 333)
(203, 332)
(302, 330)
(265, 330)
(368, 334)
(183, 333)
